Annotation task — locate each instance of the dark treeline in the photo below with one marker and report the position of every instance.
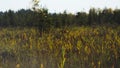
(43, 19)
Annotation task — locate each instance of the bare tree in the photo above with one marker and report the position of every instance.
(35, 5)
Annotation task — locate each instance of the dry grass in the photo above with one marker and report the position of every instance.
(78, 47)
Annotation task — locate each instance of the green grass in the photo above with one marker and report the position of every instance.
(77, 47)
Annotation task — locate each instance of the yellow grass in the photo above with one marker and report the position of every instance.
(77, 47)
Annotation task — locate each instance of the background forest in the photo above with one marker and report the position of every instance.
(43, 19)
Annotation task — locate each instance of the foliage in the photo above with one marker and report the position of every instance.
(39, 39)
(44, 20)
(84, 47)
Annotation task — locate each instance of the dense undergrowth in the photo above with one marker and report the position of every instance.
(77, 47)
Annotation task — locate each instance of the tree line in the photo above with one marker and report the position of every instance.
(44, 19)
